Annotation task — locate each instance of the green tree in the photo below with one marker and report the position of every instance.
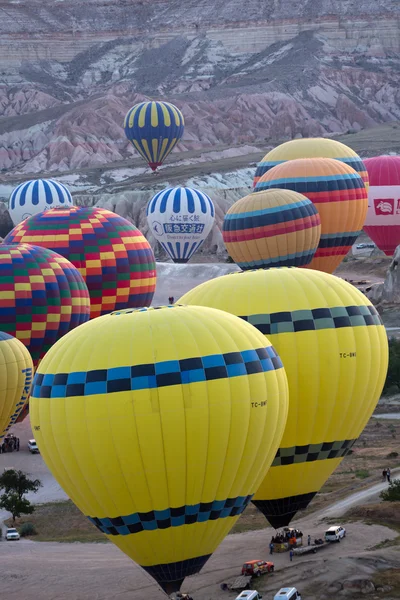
(393, 374)
(392, 494)
(15, 484)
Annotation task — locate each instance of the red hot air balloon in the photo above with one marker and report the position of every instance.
(383, 218)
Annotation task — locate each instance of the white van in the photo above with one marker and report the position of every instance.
(249, 595)
(287, 594)
(335, 533)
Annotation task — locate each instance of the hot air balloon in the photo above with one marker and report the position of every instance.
(311, 148)
(334, 348)
(160, 424)
(272, 228)
(154, 129)
(114, 258)
(383, 218)
(16, 374)
(32, 197)
(180, 219)
(42, 296)
(338, 193)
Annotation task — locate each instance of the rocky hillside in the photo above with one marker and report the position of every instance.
(70, 70)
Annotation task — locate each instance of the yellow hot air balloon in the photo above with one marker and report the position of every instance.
(311, 148)
(16, 374)
(334, 349)
(160, 425)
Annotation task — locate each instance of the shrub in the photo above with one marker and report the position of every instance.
(392, 455)
(393, 374)
(392, 494)
(362, 473)
(27, 529)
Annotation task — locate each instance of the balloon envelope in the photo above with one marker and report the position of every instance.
(338, 193)
(16, 374)
(311, 148)
(154, 129)
(180, 219)
(383, 218)
(335, 352)
(42, 296)
(274, 228)
(160, 424)
(114, 258)
(32, 197)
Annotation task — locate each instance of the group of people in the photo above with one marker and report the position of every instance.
(289, 536)
(386, 474)
(9, 444)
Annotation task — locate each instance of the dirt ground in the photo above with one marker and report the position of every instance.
(52, 571)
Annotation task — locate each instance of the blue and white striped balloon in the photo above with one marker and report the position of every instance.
(35, 196)
(180, 219)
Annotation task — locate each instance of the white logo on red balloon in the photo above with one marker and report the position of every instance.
(384, 206)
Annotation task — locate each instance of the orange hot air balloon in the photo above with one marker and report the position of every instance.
(339, 194)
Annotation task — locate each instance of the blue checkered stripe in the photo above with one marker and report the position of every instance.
(150, 376)
(172, 517)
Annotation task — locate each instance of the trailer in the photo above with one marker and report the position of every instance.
(240, 583)
(313, 548)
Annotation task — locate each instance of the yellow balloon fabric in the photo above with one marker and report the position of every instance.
(160, 424)
(334, 349)
(16, 374)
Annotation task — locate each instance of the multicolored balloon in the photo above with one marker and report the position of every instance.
(154, 129)
(32, 197)
(114, 258)
(160, 425)
(383, 218)
(339, 194)
(42, 296)
(277, 228)
(16, 375)
(311, 148)
(335, 351)
(180, 219)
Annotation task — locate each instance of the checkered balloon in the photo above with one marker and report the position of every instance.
(42, 296)
(112, 255)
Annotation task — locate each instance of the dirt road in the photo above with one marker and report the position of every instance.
(369, 494)
(52, 571)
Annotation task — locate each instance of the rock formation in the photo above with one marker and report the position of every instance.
(274, 71)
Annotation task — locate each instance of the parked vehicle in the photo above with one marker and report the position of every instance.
(12, 534)
(32, 447)
(335, 533)
(361, 246)
(249, 595)
(287, 593)
(255, 568)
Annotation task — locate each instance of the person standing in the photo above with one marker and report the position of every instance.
(388, 474)
(271, 548)
(309, 539)
(291, 553)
